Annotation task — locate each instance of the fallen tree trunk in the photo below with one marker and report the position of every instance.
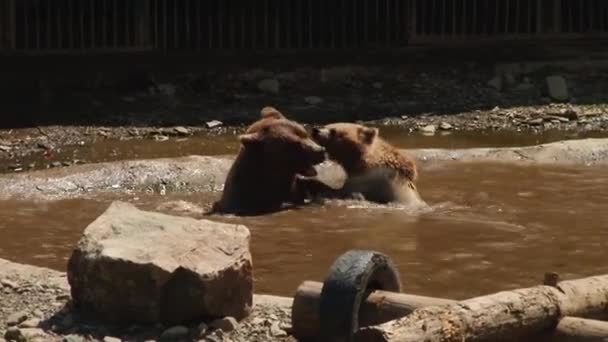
(378, 307)
(574, 329)
(502, 316)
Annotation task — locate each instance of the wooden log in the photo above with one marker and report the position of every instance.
(505, 315)
(378, 307)
(574, 329)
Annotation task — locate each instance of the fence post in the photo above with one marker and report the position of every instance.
(142, 23)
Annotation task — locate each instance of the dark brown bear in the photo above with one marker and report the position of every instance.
(263, 176)
(375, 169)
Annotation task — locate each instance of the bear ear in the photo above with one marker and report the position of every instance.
(271, 113)
(368, 134)
(250, 138)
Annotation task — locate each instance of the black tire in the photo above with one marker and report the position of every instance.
(351, 278)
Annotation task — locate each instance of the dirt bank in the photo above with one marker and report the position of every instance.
(39, 299)
(76, 109)
(204, 173)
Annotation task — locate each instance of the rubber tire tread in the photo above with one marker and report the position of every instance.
(350, 279)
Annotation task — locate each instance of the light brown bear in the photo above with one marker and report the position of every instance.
(375, 169)
(263, 176)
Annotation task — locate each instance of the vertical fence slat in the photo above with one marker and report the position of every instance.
(243, 24)
(507, 15)
(300, 23)
(387, 34)
(310, 42)
(517, 15)
(266, 32)
(49, 25)
(209, 25)
(92, 24)
(26, 25)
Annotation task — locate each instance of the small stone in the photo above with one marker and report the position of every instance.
(161, 138)
(38, 313)
(174, 333)
(26, 334)
(496, 83)
(313, 100)
(45, 145)
(111, 339)
(556, 118)
(276, 331)
(557, 88)
(226, 324)
(30, 323)
(377, 85)
(73, 338)
(535, 122)
(12, 334)
(213, 123)
(5, 148)
(445, 126)
(56, 164)
(202, 329)
(269, 85)
(181, 130)
(428, 129)
(16, 318)
(9, 284)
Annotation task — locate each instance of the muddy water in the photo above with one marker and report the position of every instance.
(111, 150)
(492, 227)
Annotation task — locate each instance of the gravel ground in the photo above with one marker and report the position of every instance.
(35, 306)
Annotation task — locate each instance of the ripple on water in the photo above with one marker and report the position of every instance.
(490, 227)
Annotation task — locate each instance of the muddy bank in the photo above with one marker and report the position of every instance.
(205, 173)
(39, 300)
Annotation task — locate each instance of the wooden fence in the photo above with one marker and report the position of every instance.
(46, 26)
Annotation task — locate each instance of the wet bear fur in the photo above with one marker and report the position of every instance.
(263, 176)
(375, 170)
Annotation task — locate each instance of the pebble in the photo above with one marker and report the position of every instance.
(213, 123)
(202, 329)
(111, 339)
(73, 338)
(56, 164)
(64, 296)
(445, 126)
(174, 333)
(161, 138)
(276, 331)
(16, 318)
(30, 323)
(181, 130)
(225, 324)
(428, 129)
(9, 284)
(5, 148)
(25, 334)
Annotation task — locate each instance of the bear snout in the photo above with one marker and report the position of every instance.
(320, 134)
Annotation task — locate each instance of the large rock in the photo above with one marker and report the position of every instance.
(557, 88)
(143, 267)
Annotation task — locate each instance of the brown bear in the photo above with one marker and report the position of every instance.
(263, 176)
(375, 169)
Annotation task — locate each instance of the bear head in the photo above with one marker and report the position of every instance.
(346, 143)
(282, 145)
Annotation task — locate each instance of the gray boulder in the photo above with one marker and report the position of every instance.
(145, 267)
